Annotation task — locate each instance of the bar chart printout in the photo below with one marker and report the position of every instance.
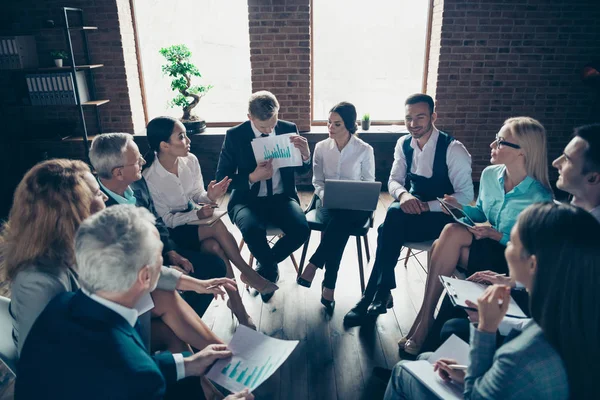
(255, 358)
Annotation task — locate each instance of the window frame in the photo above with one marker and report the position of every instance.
(319, 122)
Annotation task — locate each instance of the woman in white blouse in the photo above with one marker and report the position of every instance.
(175, 182)
(341, 156)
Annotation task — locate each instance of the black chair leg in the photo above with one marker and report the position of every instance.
(361, 270)
(304, 250)
(366, 240)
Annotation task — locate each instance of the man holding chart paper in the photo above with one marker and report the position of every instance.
(264, 194)
(428, 164)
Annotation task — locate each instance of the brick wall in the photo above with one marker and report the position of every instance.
(280, 55)
(112, 45)
(499, 59)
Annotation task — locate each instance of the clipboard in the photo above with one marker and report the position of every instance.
(460, 290)
(456, 213)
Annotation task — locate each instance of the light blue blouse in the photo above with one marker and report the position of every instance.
(502, 209)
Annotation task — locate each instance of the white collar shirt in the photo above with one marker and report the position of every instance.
(354, 162)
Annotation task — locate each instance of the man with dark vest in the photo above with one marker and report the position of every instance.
(263, 195)
(428, 164)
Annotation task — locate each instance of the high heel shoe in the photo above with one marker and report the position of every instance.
(303, 282)
(243, 320)
(329, 304)
(268, 287)
(402, 342)
(411, 347)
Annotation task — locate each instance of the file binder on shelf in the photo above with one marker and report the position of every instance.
(57, 88)
(18, 52)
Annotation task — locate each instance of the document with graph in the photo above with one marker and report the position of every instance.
(279, 148)
(255, 358)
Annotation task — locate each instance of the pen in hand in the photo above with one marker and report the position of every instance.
(458, 367)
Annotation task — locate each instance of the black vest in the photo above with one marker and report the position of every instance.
(427, 189)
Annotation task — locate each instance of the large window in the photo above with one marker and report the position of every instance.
(216, 32)
(370, 53)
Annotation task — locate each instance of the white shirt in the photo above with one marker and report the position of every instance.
(355, 162)
(172, 194)
(131, 315)
(458, 160)
(276, 178)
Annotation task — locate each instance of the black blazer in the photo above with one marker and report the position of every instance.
(144, 199)
(237, 162)
(80, 349)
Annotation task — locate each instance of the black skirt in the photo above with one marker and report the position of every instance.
(186, 236)
(487, 254)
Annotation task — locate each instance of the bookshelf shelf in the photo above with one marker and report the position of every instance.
(65, 68)
(95, 103)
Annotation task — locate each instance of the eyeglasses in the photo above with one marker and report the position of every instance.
(140, 161)
(501, 142)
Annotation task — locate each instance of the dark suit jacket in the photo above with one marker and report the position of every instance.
(80, 349)
(144, 199)
(237, 162)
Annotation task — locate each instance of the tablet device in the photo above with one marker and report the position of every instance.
(458, 214)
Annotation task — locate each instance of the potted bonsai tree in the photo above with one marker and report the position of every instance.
(366, 122)
(58, 56)
(180, 68)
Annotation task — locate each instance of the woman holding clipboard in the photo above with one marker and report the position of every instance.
(175, 181)
(517, 178)
(553, 252)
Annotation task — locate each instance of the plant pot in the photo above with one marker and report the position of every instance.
(58, 62)
(366, 125)
(197, 126)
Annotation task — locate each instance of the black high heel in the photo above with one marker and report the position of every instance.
(329, 304)
(303, 282)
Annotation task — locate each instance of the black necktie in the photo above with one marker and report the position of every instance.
(269, 181)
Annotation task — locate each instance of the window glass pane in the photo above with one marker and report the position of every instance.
(216, 32)
(368, 53)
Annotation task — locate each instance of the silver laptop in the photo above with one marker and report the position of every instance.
(351, 195)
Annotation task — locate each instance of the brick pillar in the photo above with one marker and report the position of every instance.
(280, 55)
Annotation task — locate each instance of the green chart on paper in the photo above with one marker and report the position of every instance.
(247, 373)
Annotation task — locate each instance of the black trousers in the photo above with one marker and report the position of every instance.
(335, 236)
(397, 229)
(279, 210)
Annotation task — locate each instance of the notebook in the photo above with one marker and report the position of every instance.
(217, 215)
(460, 290)
(453, 348)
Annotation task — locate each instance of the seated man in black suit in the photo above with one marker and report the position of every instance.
(85, 345)
(261, 194)
(118, 162)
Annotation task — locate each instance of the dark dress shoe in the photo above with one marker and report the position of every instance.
(357, 314)
(266, 297)
(271, 273)
(380, 304)
(303, 282)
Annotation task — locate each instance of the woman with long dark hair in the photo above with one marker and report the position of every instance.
(553, 251)
(175, 181)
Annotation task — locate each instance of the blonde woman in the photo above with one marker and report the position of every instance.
(517, 178)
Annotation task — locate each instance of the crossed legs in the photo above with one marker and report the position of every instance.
(448, 251)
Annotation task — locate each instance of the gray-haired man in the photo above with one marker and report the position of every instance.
(89, 336)
(118, 162)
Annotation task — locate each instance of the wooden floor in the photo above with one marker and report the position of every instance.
(330, 362)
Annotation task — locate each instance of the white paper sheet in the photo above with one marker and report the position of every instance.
(454, 348)
(279, 148)
(255, 358)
